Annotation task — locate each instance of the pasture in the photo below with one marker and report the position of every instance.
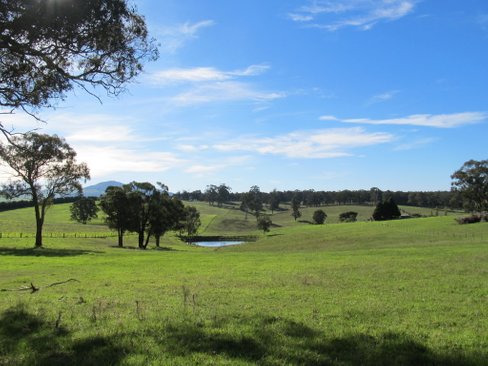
(406, 292)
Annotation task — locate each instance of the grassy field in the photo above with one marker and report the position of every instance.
(407, 292)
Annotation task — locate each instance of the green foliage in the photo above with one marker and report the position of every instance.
(319, 216)
(43, 167)
(84, 210)
(295, 206)
(349, 216)
(264, 223)
(191, 222)
(253, 201)
(471, 180)
(47, 48)
(386, 210)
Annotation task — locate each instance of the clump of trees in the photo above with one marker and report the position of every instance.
(147, 210)
(319, 217)
(386, 210)
(41, 167)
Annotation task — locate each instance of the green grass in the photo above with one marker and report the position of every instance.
(407, 292)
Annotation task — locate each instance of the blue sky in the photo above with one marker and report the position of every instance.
(302, 94)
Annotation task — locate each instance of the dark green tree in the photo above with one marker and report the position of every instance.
(211, 194)
(274, 201)
(319, 216)
(49, 47)
(223, 194)
(295, 207)
(118, 215)
(471, 181)
(165, 215)
(84, 210)
(254, 200)
(191, 223)
(264, 223)
(43, 167)
(349, 216)
(386, 210)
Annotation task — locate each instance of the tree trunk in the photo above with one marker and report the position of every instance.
(39, 223)
(158, 239)
(141, 240)
(147, 240)
(121, 238)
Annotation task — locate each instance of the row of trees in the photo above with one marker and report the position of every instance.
(221, 194)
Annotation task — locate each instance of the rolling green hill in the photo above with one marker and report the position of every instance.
(406, 292)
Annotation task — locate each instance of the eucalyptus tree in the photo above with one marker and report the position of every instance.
(41, 167)
(48, 48)
(118, 214)
(471, 181)
(83, 210)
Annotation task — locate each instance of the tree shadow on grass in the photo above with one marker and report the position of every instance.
(27, 339)
(45, 252)
(277, 341)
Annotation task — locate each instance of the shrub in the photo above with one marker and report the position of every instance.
(473, 219)
(349, 216)
(319, 217)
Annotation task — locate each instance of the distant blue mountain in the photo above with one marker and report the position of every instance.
(97, 190)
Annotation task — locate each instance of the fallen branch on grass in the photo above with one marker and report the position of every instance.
(33, 288)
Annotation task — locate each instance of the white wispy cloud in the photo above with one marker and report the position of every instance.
(175, 37)
(425, 120)
(224, 92)
(207, 168)
(203, 74)
(382, 97)
(325, 143)
(208, 84)
(415, 144)
(362, 14)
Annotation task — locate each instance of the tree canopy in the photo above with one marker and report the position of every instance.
(42, 167)
(47, 47)
(471, 180)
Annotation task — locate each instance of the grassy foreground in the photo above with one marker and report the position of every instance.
(410, 292)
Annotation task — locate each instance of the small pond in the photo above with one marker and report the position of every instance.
(215, 244)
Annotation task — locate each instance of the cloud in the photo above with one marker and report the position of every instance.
(209, 168)
(361, 14)
(175, 37)
(224, 92)
(326, 143)
(383, 97)
(203, 74)
(425, 120)
(208, 84)
(107, 160)
(415, 144)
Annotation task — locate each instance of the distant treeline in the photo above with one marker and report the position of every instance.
(13, 205)
(312, 198)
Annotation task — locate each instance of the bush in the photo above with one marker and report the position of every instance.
(473, 219)
(319, 217)
(349, 216)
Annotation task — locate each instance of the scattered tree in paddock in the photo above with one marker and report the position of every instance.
(191, 222)
(264, 223)
(471, 181)
(43, 167)
(319, 217)
(386, 210)
(295, 206)
(84, 210)
(115, 204)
